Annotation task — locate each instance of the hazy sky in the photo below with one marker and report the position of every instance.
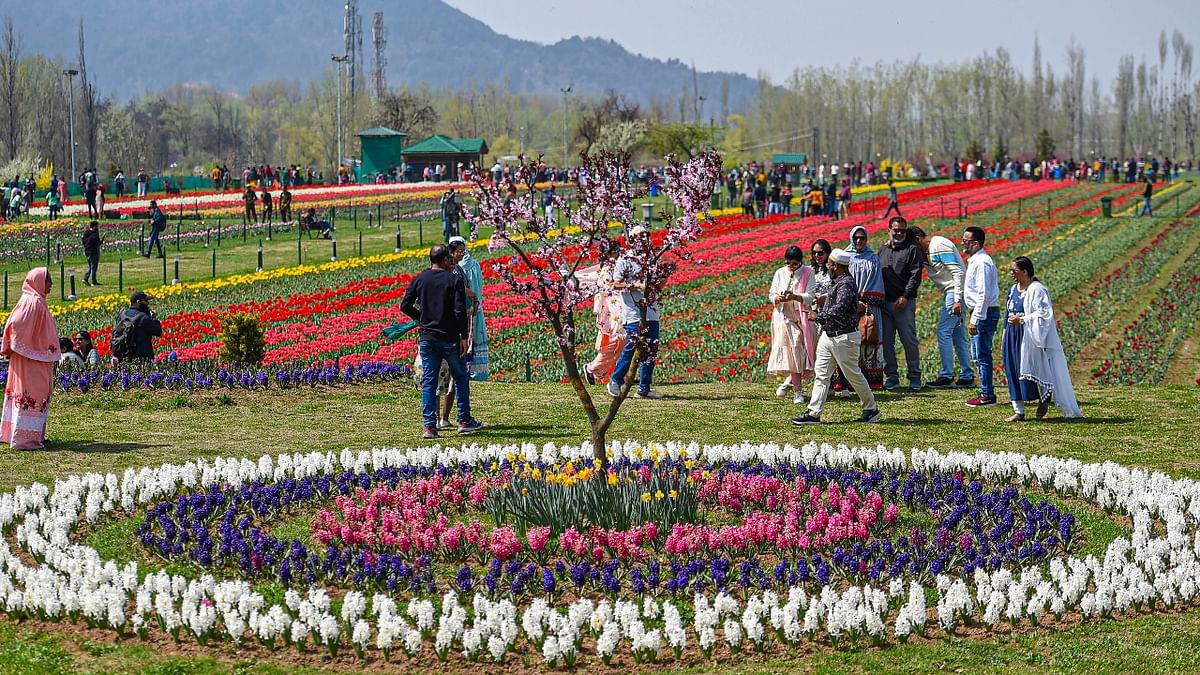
(776, 37)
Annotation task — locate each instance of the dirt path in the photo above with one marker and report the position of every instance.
(1185, 367)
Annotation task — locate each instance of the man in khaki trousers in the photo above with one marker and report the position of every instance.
(838, 314)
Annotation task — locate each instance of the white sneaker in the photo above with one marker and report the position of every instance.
(782, 389)
(799, 397)
(614, 389)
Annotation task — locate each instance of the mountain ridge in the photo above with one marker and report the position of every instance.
(233, 45)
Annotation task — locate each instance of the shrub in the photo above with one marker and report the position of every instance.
(242, 340)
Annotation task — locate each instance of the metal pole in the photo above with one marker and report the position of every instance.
(120, 276)
(62, 280)
(334, 240)
(565, 90)
(72, 296)
(6, 289)
(164, 259)
(71, 73)
(214, 263)
(260, 265)
(175, 281)
(360, 251)
(341, 61)
(397, 239)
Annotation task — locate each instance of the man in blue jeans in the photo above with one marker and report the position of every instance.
(981, 296)
(158, 223)
(946, 270)
(628, 278)
(436, 300)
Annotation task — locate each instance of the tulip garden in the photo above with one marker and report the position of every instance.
(698, 552)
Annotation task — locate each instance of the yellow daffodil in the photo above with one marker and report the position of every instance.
(645, 496)
(659, 494)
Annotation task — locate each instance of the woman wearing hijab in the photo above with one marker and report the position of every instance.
(1034, 362)
(793, 345)
(477, 359)
(30, 342)
(868, 276)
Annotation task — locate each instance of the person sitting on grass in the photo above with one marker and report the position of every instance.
(82, 342)
(67, 357)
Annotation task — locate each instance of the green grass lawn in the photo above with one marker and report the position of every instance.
(100, 431)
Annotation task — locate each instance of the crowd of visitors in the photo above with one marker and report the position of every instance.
(843, 295)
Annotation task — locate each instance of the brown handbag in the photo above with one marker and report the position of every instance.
(867, 331)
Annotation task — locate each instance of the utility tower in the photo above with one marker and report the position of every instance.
(352, 32)
(379, 71)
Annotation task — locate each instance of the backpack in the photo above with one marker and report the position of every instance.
(122, 336)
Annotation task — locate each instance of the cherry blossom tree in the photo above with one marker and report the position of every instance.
(548, 255)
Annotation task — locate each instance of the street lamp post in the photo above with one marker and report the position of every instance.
(341, 61)
(700, 112)
(565, 90)
(71, 73)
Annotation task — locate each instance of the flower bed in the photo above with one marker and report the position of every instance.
(1149, 342)
(897, 544)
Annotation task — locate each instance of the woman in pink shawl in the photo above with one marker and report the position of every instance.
(793, 346)
(31, 344)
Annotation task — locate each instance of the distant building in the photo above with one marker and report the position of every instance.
(438, 149)
(382, 149)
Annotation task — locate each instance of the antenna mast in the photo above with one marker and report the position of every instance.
(379, 72)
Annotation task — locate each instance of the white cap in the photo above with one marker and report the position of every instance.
(840, 256)
(637, 230)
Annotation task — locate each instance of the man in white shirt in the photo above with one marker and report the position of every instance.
(629, 279)
(981, 296)
(945, 268)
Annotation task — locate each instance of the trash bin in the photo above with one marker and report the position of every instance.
(648, 211)
(1106, 206)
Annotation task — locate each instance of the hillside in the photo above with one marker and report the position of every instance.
(233, 45)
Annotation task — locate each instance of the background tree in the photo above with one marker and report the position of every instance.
(683, 138)
(406, 111)
(1045, 146)
(10, 86)
(610, 110)
(92, 108)
(547, 259)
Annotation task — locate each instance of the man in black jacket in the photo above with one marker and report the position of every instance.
(158, 223)
(436, 299)
(140, 325)
(91, 249)
(837, 315)
(902, 261)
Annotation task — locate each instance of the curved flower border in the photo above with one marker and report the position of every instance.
(1147, 570)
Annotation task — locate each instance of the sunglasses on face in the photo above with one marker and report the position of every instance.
(819, 253)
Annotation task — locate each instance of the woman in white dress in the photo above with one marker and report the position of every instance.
(793, 346)
(1041, 360)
